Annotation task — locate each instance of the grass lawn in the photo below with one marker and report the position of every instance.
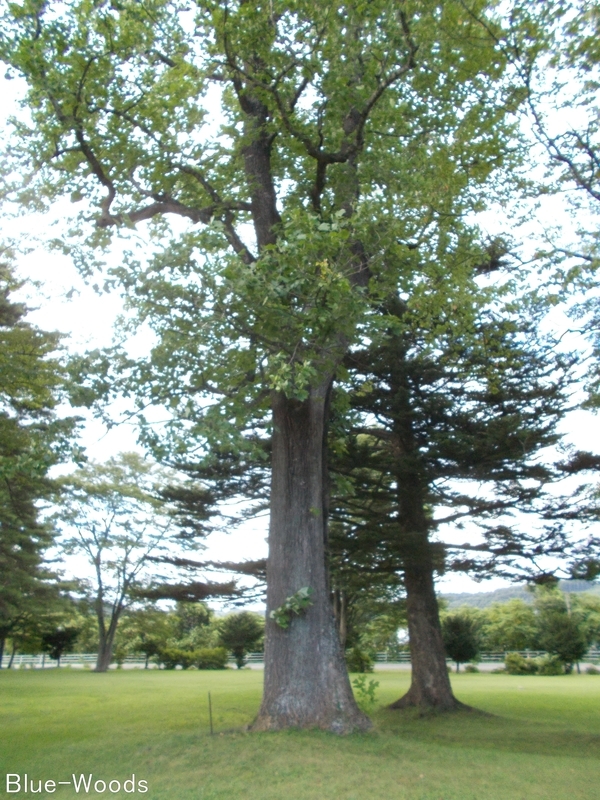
(541, 739)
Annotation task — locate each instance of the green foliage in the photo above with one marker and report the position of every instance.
(349, 183)
(194, 626)
(203, 658)
(461, 637)
(551, 665)
(366, 693)
(111, 515)
(190, 617)
(587, 608)
(211, 658)
(32, 440)
(561, 631)
(295, 605)
(172, 657)
(471, 668)
(516, 664)
(358, 660)
(509, 626)
(241, 633)
(145, 631)
(59, 641)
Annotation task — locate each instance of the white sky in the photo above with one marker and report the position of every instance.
(87, 319)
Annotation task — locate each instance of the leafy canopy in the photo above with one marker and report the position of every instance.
(308, 149)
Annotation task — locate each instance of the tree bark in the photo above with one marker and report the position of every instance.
(430, 685)
(340, 613)
(106, 641)
(306, 681)
(104, 656)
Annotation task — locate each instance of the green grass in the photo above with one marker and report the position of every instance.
(541, 739)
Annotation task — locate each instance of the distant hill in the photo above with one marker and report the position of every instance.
(485, 599)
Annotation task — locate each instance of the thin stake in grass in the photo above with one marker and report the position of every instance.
(210, 714)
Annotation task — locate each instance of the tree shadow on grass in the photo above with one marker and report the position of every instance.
(464, 728)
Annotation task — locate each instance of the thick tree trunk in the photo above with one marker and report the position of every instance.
(430, 685)
(306, 681)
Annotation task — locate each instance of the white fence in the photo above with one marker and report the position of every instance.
(82, 660)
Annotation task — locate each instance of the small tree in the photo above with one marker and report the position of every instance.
(509, 626)
(110, 514)
(146, 631)
(240, 632)
(461, 638)
(587, 606)
(561, 630)
(58, 641)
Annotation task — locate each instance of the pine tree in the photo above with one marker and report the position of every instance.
(32, 440)
(436, 420)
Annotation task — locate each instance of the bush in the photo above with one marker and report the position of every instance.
(516, 664)
(547, 665)
(203, 658)
(550, 665)
(172, 657)
(592, 671)
(211, 658)
(358, 660)
(471, 668)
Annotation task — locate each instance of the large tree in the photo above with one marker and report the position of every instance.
(33, 438)
(440, 422)
(343, 133)
(447, 427)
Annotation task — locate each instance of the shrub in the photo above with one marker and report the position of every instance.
(211, 658)
(365, 693)
(516, 664)
(172, 657)
(550, 665)
(359, 660)
(471, 668)
(592, 671)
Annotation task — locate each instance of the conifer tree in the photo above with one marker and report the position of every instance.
(447, 428)
(32, 440)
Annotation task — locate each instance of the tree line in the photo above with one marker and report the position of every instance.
(334, 333)
(564, 625)
(190, 635)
